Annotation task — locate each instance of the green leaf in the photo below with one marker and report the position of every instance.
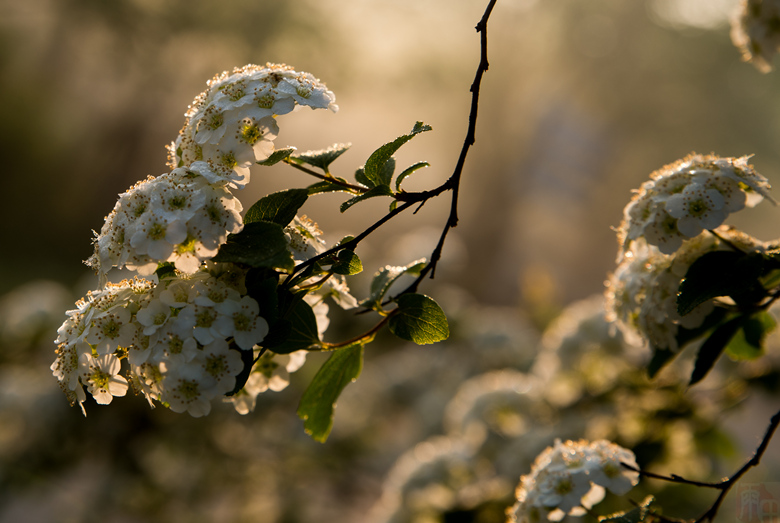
(419, 319)
(635, 515)
(298, 326)
(713, 347)
(324, 157)
(407, 172)
(260, 245)
(360, 177)
(719, 273)
(659, 360)
(387, 171)
(279, 207)
(385, 277)
(164, 270)
(326, 186)
(277, 156)
(262, 288)
(375, 164)
(748, 342)
(348, 263)
(318, 403)
(380, 190)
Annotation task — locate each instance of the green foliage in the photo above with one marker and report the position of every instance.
(635, 515)
(279, 207)
(748, 342)
(713, 347)
(259, 245)
(384, 278)
(276, 156)
(419, 319)
(296, 328)
(327, 186)
(348, 263)
(380, 190)
(322, 158)
(248, 359)
(407, 172)
(317, 405)
(723, 273)
(375, 170)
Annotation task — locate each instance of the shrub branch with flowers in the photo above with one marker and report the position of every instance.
(225, 307)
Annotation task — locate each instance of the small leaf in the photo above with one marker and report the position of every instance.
(407, 172)
(385, 277)
(348, 263)
(279, 207)
(719, 273)
(376, 162)
(324, 157)
(748, 342)
(326, 186)
(318, 403)
(380, 190)
(713, 347)
(299, 324)
(259, 245)
(419, 319)
(164, 270)
(277, 156)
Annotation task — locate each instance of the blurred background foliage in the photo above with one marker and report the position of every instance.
(583, 100)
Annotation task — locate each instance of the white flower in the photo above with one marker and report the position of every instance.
(271, 371)
(221, 364)
(101, 376)
(112, 330)
(153, 316)
(187, 388)
(688, 196)
(696, 208)
(241, 320)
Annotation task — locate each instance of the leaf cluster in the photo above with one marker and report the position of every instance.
(744, 285)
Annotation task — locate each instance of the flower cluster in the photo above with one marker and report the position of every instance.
(571, 477)
(181, 340)
(180, 217)
(685, 198)
(642, 292)
(756, 31)
(231, 124)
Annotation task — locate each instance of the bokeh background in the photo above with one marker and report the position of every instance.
(583, 100)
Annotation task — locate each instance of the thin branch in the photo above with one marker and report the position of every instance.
(365, 336)
(724, 485)
(453, 182)
(357, 189)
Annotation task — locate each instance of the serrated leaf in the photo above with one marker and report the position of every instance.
(324, 157)
(277, 156)
(385, 277)
(419, 319)
(748, 342)
(299, 326)
(713, 347)
(318, 403)
(376, 162)
(719, 273)
(259, 245)
(326, 186)
(348, 263)
(407, 172)
(279, 207)
(380, 190)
